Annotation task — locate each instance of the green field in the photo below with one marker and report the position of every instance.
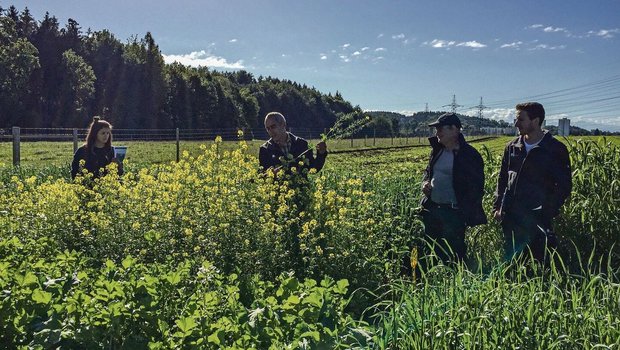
(44, 153)
(201, 254)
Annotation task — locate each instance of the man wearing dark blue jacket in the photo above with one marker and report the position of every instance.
(453, 187)
(285, 151)
(534, 182)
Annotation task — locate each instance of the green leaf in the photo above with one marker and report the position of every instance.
(186, 325)
(313, 334)
(163, 327)
(41, 297)
(293, 299)
(313, 299)
(215, 337)
(174, 278)
(128, 262)
(26, 279)
(341, 286)
(290, 319)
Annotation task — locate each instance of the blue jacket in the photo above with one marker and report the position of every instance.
(538, 180)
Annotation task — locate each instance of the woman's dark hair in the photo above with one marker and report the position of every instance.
(94, 127)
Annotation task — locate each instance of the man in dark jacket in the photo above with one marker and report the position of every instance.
(453, 187)
(534, 182)
(285, 151)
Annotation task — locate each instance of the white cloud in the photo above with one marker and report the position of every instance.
(514, 45)
(446, 44)
(438, 44)
(379, 49)
(323, 56)
(605, 33)
(344, 58)
(473, 44)
(554, 30)
(345, 46)
(547, 47)
(201, 58)
(398, 36)
(232, 40)
(505, 114)
(356, 53)
(380, 36)
(365, 48)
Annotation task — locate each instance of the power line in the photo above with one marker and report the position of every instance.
(611, 82)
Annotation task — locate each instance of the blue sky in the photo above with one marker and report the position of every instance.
(393, 55)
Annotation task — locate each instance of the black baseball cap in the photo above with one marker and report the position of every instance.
(447, 119)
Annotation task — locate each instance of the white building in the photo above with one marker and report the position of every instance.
(498, 131)
(564, 127)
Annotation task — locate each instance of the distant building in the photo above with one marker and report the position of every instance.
(498, 131)
(564, 127)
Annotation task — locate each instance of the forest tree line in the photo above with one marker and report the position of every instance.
(60, 76)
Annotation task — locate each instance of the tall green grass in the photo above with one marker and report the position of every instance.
(514, 306)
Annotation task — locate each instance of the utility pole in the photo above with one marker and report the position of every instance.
(481, 107)
(453, 106)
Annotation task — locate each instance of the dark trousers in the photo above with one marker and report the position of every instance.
(528, 233)
(445, 227)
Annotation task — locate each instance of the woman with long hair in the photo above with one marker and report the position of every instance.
(97, 153)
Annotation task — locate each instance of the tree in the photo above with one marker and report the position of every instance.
(177, 96)
(203, 98)
(47, 84)
(78, 88)
(155, 87)
(18, 60)
(26, 26)
(249, 106)
(72, 36)
(105, 55)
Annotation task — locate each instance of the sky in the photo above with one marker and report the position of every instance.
(392, 55)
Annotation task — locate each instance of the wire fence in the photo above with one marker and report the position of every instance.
(171, 139)
(70, 134)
